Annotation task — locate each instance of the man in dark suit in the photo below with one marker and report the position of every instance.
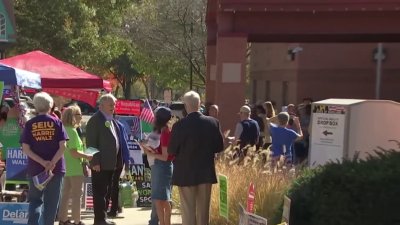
(102, 133)
(194, 141)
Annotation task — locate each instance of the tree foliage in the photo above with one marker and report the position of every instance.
(169, 35)
(123, 70)
(160, 40)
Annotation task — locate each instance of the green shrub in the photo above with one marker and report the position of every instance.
(354, 192)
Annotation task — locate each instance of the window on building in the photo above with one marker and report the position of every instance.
(2, 25)
(285, 93)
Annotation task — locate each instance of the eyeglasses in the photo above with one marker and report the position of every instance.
(78, 114)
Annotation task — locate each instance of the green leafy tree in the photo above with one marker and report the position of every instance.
(122, 69)
(64, 29)
(86, 33)
(169, 40)
(164, 40)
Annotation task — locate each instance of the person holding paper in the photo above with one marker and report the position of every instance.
(102, 133)
(43, 141)
(73, 181)
(161, 171)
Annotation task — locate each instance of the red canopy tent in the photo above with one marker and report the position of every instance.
(59, 77)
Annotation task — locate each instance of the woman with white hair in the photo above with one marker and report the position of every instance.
(44, 141)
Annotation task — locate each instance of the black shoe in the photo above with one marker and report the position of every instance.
(80, 223)
(104, 222)
(112, 214)
(68, 222)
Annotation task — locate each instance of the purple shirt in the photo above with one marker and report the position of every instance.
(43, 134)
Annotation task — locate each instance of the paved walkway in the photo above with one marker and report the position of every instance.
(132, 216)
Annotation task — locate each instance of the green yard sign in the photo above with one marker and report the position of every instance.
(1, 90)
(223, 196)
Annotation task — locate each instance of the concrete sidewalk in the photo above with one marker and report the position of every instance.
(131, 216)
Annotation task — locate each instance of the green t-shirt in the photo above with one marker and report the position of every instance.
(73, 165)
(10, 134)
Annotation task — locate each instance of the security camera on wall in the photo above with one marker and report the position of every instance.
(292, 53)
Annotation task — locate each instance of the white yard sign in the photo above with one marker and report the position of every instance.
(327, 137)
(246, 218)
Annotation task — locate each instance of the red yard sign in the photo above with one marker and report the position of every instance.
(250, 198)
(128, 107)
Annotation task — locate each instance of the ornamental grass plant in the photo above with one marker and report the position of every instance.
(242, 168)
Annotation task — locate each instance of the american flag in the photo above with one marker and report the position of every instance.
(135, 125)
(147, 114)
(89, 197)
(336, 109)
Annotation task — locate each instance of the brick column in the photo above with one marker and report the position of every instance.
(231, 78)
(211, 73)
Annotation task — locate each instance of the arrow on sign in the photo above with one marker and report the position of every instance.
(326, 133)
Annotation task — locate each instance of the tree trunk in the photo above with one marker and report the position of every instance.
(127, 89)
(146, 88)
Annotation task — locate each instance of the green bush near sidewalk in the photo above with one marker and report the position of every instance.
(354, 192)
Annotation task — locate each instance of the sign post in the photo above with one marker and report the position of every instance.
(251, 198)
(1, 90)
(286, 209)
(246, 218)
(223, 196)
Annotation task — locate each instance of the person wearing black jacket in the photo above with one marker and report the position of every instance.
(102, 133)
(194, 141)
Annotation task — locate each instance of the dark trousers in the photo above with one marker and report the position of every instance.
(113, 195)
(101, 185)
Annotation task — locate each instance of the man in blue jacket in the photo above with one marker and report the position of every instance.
(114, 194)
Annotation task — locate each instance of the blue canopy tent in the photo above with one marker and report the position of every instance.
(18, 77)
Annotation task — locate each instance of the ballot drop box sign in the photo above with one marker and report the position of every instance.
(344, 128)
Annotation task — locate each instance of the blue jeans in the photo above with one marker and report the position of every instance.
(43, 204)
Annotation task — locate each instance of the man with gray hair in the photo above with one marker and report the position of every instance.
(213, 111)
(102, 133)
(194, 141)
(247, 131)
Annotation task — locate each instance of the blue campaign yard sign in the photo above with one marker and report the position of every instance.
(13, 213)
(16, 165)
(133, 128)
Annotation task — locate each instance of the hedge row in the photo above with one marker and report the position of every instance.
(353, 192)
